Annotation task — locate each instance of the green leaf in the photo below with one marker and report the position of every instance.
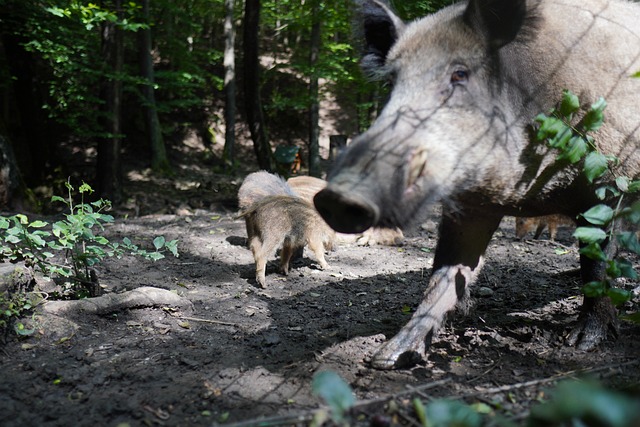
(549, 127)
(613, 269)
(622, 182)
(37, 240)
(595, 165)
(85, 188)
(633, 213)
(334, 391)
(101, 240)
(158, 242)
(593, 251)
(420, 411)
(629, 240)
(172, 246)
(445, 413)
(561, 140)
(618, 296)
(38, 224)
(58, 199)
(589, 234)
(22, 331)
(583, 403)
(633, 317)
(601, 192)
(155, 256)
(599, 215)
(575, 151)
(594, 118)
(634, 186)
(570, 104)
(626, 269)
(594, 289)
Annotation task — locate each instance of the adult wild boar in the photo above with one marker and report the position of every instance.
(457, 128)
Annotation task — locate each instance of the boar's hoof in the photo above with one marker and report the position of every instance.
(345, 213)
(405, 360)
(397, 355)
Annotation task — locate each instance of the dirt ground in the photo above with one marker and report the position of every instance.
(232, 353)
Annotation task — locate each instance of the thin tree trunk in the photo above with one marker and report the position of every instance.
(159, 160)
(314, 107)
(12, 187)
(109, 171)
(253, 102)
(229, 84)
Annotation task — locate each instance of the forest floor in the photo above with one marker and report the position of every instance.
(228, 352)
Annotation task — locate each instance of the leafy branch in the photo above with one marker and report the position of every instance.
(575, 145)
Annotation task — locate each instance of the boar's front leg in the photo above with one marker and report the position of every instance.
(462, 242)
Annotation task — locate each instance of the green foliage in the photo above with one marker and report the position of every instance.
(571, 403)
(577, 403)
(450, 413)
(559, 132)
(65, 39)
(75, 239)
(14, 306)
(335, 392)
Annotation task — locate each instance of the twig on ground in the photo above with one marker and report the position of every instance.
(196, 319)
(553, 378)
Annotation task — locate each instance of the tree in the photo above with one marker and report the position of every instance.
(159, 160)
(252, 99)
(229, 83)
(314, 102)
(109, 170)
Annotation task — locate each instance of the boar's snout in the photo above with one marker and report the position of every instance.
(345, 213)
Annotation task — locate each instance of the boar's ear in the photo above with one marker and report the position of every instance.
(498, 20)
(381, 29)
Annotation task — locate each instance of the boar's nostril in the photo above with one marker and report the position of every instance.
(345, 213)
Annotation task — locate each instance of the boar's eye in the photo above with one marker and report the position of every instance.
(459, 77)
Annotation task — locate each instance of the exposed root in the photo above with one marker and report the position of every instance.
(145, 296)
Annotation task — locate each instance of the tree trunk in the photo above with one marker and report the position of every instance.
(229, 85)
(252, 99)
(12, 187)
(314, 107)
(109, 171)
(159, 160)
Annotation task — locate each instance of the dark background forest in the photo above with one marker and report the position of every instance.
(88, 87)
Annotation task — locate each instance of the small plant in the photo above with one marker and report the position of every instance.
(70, 247)
(576, 145)
(584, 403)
(13, 307)
(571, 403)
(336, 393)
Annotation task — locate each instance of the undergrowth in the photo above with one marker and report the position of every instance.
(66, 250)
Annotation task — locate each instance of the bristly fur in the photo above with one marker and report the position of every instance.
(373, 61)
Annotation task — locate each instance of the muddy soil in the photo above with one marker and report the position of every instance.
(235, 353)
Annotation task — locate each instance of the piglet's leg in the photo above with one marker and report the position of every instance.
(458, 259)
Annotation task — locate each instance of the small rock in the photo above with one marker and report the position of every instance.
(483, 291)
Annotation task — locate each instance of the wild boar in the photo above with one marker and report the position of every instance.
(458, 128)
(258, 185)
(286, 222)
(525, 224)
